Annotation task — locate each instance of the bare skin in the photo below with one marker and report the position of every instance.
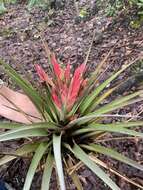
(8, 110)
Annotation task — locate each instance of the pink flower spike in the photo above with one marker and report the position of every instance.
(80, 70)
(43, 76)
(57, 69)
(76, 84)
(67, 73)
(56, 99)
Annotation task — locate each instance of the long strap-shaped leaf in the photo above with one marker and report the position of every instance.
(47, 172)
(122, 124)
(112, 153)
(89, 99)
(34, 163)
(83, 120)
(9, 125)
(100, 99)
(118, 103)
(107, 128)
(26, 149)
(58, 160)
(27, 131)
(81, 155)
(22, 134)
(116, 125)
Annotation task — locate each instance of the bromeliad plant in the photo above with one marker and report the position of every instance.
(73, 120)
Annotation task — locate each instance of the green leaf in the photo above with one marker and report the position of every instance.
(81, 155)
(25, 149)
(16, 134)
(94, 127)
(112, 153)
(91, 117)
(47, 172)
(9, 125)
(125, 124)
(100, 99)
(116, 125)
(27, 131)
(34, 164)
(58, 160)
(119, 103)
(90, 98)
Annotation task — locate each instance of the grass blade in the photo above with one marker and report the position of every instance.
(58, 160)
(81, 155)
(34, 164)
(47, 172)
(112, 153)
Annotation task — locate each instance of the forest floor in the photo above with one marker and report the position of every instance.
(70, 37)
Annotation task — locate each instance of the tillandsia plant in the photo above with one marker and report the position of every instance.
(72, 120)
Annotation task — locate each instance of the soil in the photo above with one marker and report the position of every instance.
(69, 37)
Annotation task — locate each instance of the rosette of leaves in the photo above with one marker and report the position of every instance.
(73, 118)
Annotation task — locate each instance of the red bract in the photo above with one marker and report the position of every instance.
(75, 85)
(65, 90)
(56, 67)
(67, 73)
(43, 76)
